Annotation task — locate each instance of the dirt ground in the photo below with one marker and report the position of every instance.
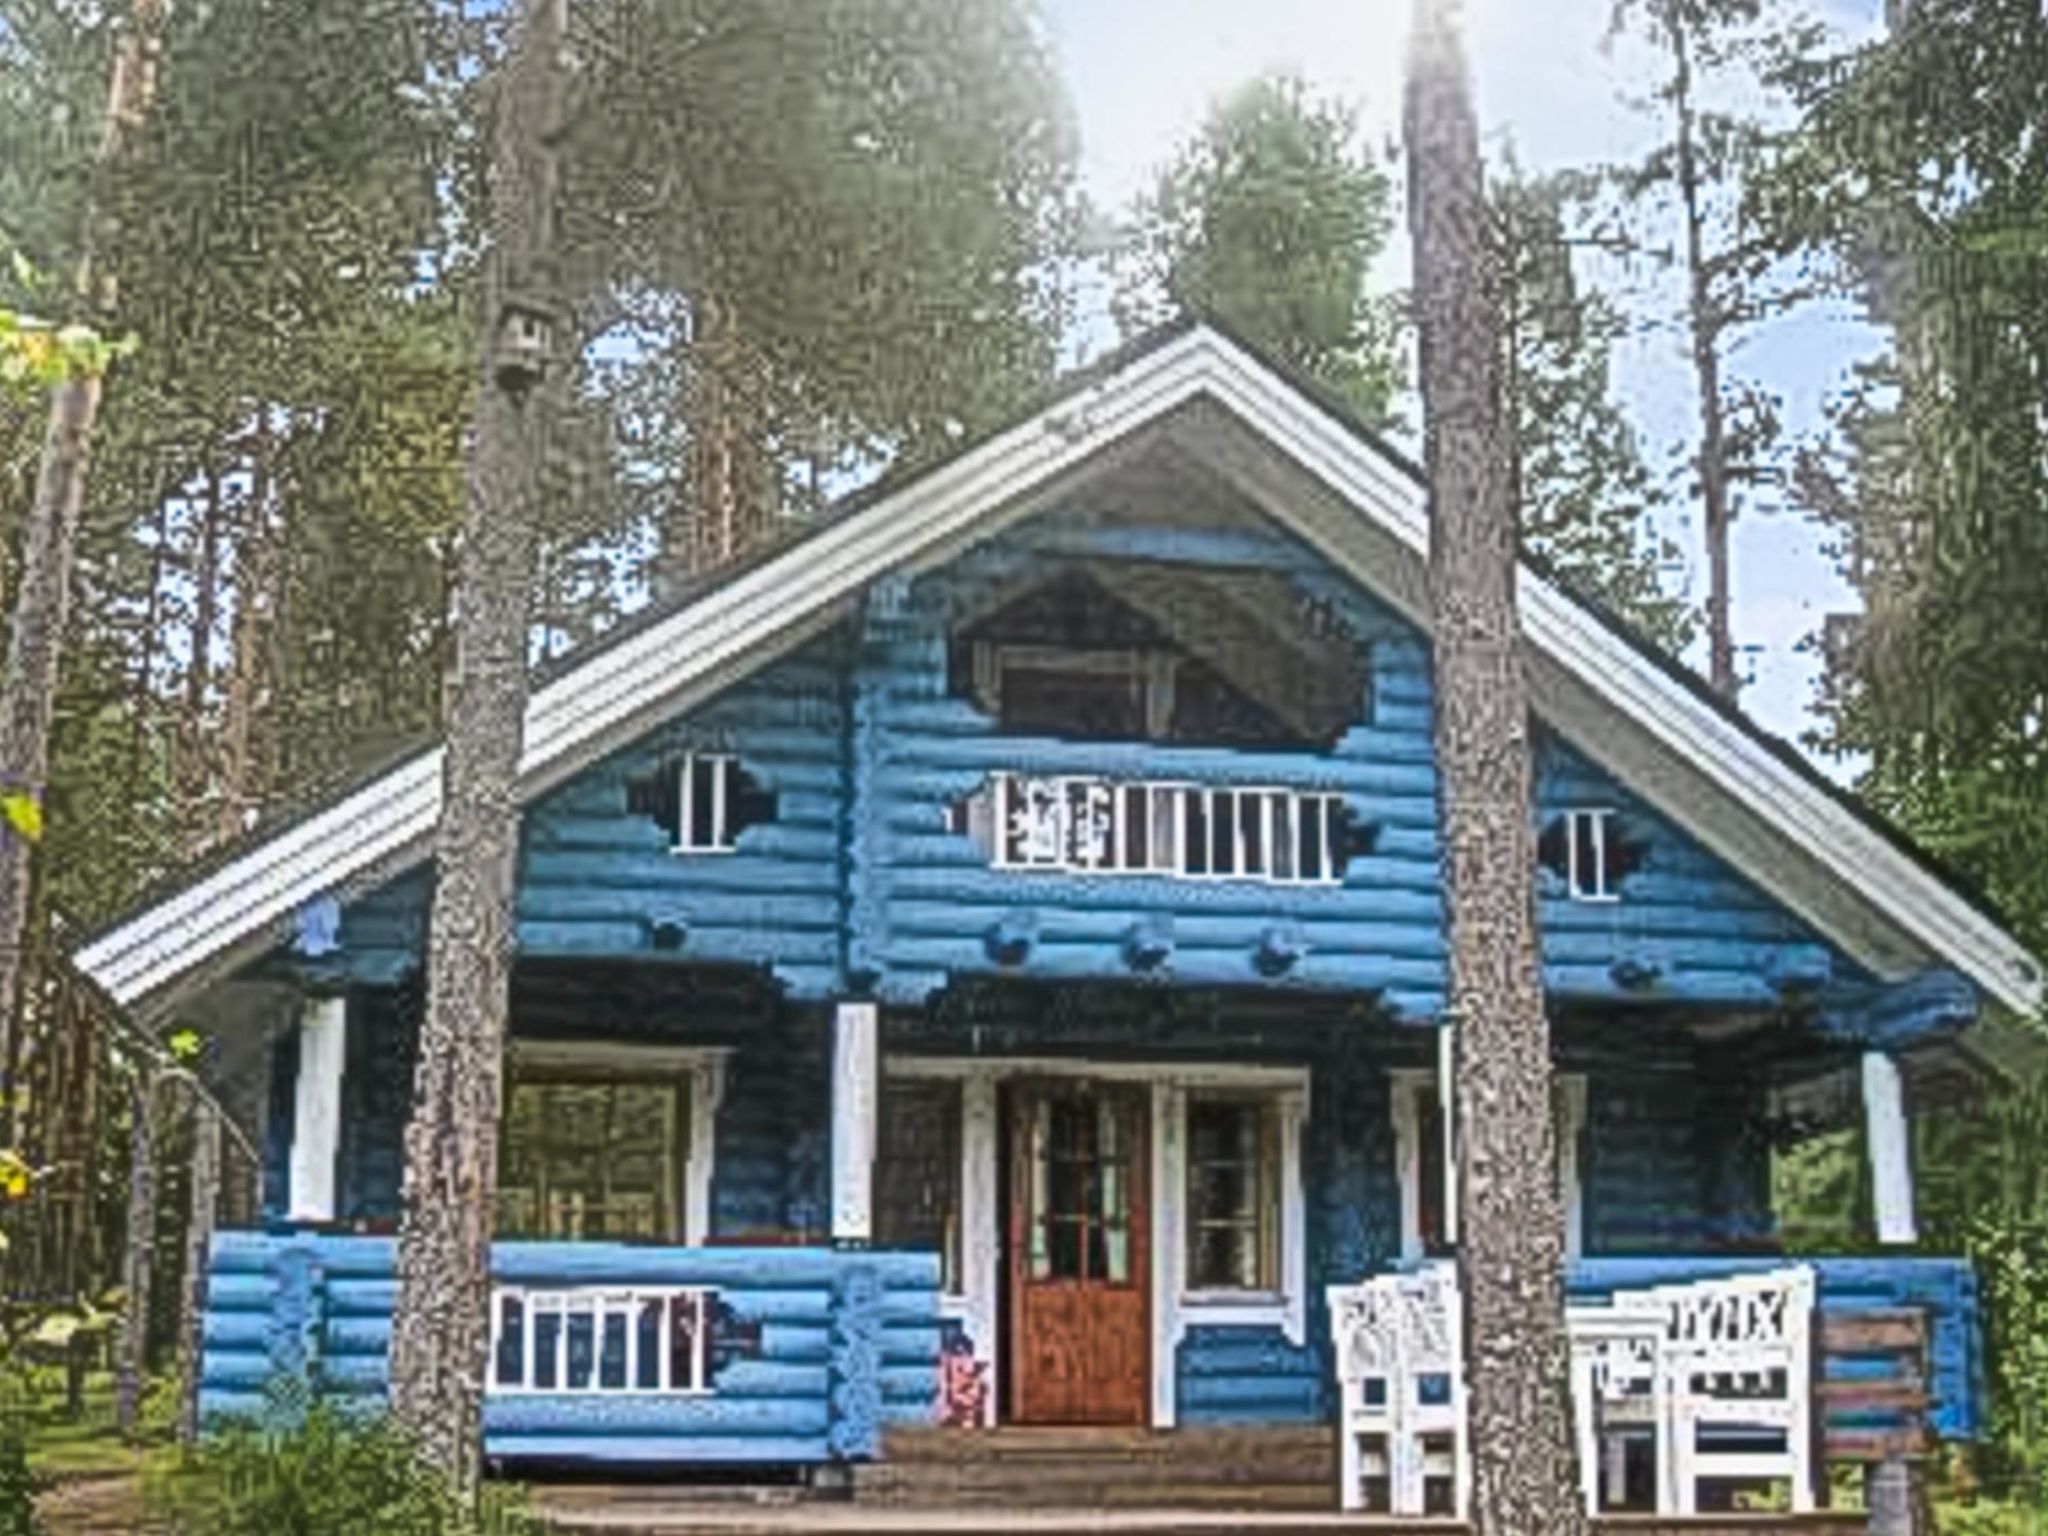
(97, 1506)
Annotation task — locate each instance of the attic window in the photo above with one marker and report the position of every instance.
(1580, 846)
(707, 792)
(1140, 653)
(703, 800)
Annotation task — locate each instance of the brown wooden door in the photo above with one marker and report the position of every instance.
(1079, 1255)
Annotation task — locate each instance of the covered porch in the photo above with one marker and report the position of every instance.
(1019, 1206)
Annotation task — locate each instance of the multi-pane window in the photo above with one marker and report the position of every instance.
(592, 1156)
(917, 1172)
(1233, 1194)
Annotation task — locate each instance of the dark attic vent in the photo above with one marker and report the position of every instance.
(702, 800)
(1586, 848)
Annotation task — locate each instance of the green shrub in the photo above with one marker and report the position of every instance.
(17, 1484)
(331, 1474)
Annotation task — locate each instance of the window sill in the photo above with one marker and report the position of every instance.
(1240, 1307)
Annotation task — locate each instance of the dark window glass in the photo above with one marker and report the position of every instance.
(917, 1172)
(592, 1157)
(1233, 1196)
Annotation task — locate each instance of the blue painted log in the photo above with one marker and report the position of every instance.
(856, 1369)
(849, 1341)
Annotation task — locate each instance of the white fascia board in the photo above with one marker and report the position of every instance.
(623, 682)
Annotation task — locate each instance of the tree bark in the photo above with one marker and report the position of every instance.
(1511, 1256)
(131, 1369)
(206, 1161)
(258, 565)
(439, 1331)
(1706, 359)
(42, 608)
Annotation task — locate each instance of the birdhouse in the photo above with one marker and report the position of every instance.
(525, 341)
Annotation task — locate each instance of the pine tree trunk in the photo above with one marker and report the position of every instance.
(42, 607)
(258, 564)
(1706, 357)
(200, 1219)
(1511, 1257)
(131, 1368)
(439, 1331)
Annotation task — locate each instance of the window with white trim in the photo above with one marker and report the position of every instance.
(707, 796)
(1233, 1192)
(1240, 1223)
(608, 1142)
(1423, 1154)
(590, 1155)
(1586, 875)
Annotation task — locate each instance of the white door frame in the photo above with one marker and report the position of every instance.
(1173, 1307)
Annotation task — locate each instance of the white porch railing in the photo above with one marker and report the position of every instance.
(1096, 826)
(600, 1340)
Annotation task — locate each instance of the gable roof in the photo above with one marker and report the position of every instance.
(1745, 795)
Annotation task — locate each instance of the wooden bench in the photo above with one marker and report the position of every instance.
(1875, 1409)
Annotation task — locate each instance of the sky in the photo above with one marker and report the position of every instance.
(1143, 73)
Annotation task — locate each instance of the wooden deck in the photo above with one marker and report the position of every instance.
(1102, 1481)
(653, 1511)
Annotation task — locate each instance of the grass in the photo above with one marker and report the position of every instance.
(62, 1448)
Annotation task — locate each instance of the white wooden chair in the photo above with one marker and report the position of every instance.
(1614, 1356)
(1734, 1382)
(1365, 1333)
(1400, 1369)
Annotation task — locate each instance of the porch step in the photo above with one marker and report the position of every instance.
(1279, 1470)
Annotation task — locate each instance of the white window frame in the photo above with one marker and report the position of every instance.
(723, 768)
(702, 1067)
(1599, 888)
(1406, 1087)
(1104, 804)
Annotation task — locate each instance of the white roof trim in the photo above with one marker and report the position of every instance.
(623, 684)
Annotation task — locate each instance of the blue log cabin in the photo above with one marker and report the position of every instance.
(983, 962)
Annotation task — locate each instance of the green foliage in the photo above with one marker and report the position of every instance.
(1919, 175)
(1271, 220)
(17, 1484)
(1585, 491)
(331, 1472)
(829, 235)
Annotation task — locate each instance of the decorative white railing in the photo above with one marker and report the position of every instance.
(1096, 826)
(600, 1339)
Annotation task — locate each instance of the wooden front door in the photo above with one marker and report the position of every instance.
(1079, 1254)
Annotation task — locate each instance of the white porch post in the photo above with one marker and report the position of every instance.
(1447, 1102)
(855, 1058)
(316, 1108)
(1891, 1154)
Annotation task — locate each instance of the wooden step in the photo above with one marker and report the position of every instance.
(1279, 1447)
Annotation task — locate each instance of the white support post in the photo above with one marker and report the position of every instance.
(1891, 1155)
(1447, 1101)
(316, 1108)
(855, 1058)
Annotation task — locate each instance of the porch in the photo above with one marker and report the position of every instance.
(808, 1358)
